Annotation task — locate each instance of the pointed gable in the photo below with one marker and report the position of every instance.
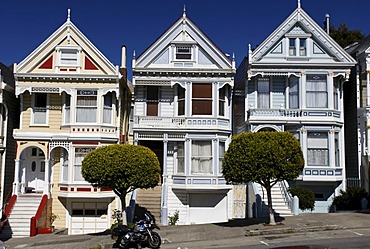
(67, 51)
(183, 45)
(299, 39)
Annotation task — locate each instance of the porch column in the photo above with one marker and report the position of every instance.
(16, 183)
(47, 179)
(164, 208)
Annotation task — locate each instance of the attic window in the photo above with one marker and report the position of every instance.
(68, 56)
(183, 53)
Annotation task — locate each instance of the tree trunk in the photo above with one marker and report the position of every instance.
(123, 204)
(271, 211)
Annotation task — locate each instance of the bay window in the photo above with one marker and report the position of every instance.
(202, 99)
(221, 153)
(336, 93)
(86, 107)
(67, 108)
(180, 101)
(180, 158)
(152, 100)
(317, 149)
(108, 108)
(201, 157)
(221, 101)
(316, 91)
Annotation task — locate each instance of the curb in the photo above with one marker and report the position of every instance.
(258, 232)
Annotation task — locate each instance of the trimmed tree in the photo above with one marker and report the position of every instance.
(265, 158)
(123, 168)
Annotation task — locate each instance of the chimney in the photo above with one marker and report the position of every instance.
(123, 69)
(327, 23)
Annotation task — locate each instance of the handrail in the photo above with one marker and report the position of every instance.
(33, 228)
(7, 198)
(288, 197)
(9, 207)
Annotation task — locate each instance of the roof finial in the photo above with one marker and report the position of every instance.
(184, 13)
(299, 4)
(69, 15)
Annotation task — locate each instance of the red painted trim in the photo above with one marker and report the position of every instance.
(72, 70)
(89, 65)
(33, 229)
(44, 230)
(48, 64)
(84, 189)
(72, 189)
(10, 205)
(63, 69)
(63, 189)
(86, 143)
(105, 189)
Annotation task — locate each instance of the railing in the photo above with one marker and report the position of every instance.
(353, 182)
(10, 205)
(288, 198)
(37, 218)
(181, 122)
(294, 113)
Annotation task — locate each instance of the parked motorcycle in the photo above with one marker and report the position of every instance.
(141, 236)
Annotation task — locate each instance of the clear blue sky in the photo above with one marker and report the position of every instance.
(231, 24)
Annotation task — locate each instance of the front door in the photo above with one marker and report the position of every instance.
(35, 170)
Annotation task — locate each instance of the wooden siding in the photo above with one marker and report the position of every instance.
(166, 102)
(140, 105)
(26, 111)
(59, 204)
(251, 96)
(278, 92)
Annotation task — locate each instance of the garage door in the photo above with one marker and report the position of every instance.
(89, 217)
(207, 208)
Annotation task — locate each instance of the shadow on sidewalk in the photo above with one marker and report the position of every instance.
(249, 222)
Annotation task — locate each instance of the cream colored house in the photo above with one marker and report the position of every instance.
(72, 100)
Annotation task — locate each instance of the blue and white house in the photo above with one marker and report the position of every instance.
(182, 111)
(293, 81)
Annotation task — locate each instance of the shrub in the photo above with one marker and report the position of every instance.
(350, 199)
(306, 197)
(174, 218)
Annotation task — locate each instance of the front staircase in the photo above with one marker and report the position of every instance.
(279, 202)
(149, 200)
(19, 219)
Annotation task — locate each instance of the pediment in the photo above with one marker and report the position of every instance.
(300, 39)
(66, 51)
(183, 45)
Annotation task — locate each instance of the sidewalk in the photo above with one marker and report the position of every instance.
(232, 229)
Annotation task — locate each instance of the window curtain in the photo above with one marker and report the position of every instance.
(40, 108)
(77, 167)
(293, 93)
(180, 158)
(221, 151)
(65, 167)
(86, 109)
(263, 93)
(317, 96)
(201, 161)
(318, 149)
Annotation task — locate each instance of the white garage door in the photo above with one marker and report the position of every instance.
(207, 208)
(89, 217)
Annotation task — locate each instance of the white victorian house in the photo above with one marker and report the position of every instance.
(182, 111)
(293, 81)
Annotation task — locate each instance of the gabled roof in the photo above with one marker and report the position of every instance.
(173, 34)
(67, 31)
(300, 17)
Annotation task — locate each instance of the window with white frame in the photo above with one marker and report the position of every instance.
(65, 162)
(108, 108)
(221, 153)
(86, 106)
(180, 158)
(221, 101)
(180, 101)
(336, 93)
(40, 108)
(292, 47)
(297, 46)
(263, 89)
(80, 154)
(337, 150)
(69, 57)
(183, 52)
(302, 47)
(67, 108)
(316, 91)
(317, 149)
(201, 157)
(202, 99)
(293, 92)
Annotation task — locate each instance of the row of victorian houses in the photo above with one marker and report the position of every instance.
(66, 99)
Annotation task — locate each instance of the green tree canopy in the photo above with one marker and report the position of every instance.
(265, 158)
(344, 36)
(122, 167)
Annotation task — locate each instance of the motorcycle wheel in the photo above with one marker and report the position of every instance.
(154, 243)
